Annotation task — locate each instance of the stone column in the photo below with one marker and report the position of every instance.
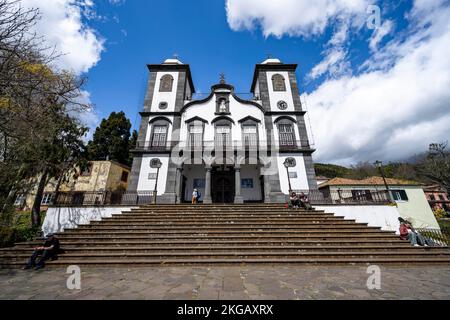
(266, 185)
(207, 195)
(237, 193)
(178, 185)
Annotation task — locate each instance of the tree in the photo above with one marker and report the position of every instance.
(436, 167)
(38, 108)
(132, 145)
(111, 139)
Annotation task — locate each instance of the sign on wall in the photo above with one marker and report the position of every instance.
(247, 183)
(151, 176)
(199, 183)
(292, 175)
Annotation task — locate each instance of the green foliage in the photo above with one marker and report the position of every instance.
(331, 170)
(19, 229)
(361, 170)
(111, 139)
(439, 213)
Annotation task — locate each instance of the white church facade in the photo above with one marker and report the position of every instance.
(231, 149)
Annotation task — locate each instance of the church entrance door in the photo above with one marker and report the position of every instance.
(222, 187)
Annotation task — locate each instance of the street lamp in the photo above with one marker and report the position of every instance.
(155, 163)
(289, 162)
(379, 165)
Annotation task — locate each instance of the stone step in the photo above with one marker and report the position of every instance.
(228, 234)
(150, 217)
(169, 227)
(225, 212)
(165, 248)
(224, 222)
(362, 237)
(234, 255)
(223, 228)
(365, 260)
(209, 242)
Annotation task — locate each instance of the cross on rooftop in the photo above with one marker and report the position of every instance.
(222, 77)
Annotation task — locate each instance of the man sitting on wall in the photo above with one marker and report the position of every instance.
(407, 232)
(304, 201)
(294, 201)
(49, 250)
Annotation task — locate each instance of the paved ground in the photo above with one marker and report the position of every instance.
(235, 282)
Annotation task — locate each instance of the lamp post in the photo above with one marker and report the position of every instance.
(287, 163)
(155, 163)
(379, 165)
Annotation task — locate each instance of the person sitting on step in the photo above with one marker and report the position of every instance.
(194, 196)
(304, 201)
(294, 201)
(407, 232)
(50, 249)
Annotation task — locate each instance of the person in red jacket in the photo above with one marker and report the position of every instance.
(407, 232)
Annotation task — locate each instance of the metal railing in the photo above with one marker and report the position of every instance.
(221, 145)
(345, 197)
(316, 197)
(436, 235)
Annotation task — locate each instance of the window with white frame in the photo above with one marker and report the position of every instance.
(195, 135)
(399, 195)
(159, 136)
(20, 200)
(250, 135)
(223, 135)
(47, 198)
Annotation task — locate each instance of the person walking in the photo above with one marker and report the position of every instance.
(194, 196)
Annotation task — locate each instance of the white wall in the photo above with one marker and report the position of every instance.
(238, 111)
(251, 172)
(385, 217)
(275, 96)
(299, 183)
(168, 97)
(416, 209)
(146, 184)
(57, 219)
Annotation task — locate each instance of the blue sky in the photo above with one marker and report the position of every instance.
(372, 93)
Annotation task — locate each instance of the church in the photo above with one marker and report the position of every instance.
(232, 150)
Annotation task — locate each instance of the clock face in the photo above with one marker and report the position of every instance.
(282, 105)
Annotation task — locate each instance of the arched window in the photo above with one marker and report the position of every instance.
(249, 127)
(160, 128)
(222, 136)
(278, 82)
(286, 133)
(165, 84)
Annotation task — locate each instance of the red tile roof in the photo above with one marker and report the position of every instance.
(367, 181)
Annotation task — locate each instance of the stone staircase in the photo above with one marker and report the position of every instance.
(227, 234)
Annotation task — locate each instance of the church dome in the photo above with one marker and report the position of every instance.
(172, 61)
(271, 61)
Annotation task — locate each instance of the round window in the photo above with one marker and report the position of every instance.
(282, 105)
(163, 105)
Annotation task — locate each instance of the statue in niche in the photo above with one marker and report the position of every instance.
(223, 106)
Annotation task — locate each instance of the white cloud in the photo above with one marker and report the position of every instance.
(399, 99)
(395, 108)
(292, 17)
(333, 63)
(62, 27)
(304, 18)
(379, 34)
